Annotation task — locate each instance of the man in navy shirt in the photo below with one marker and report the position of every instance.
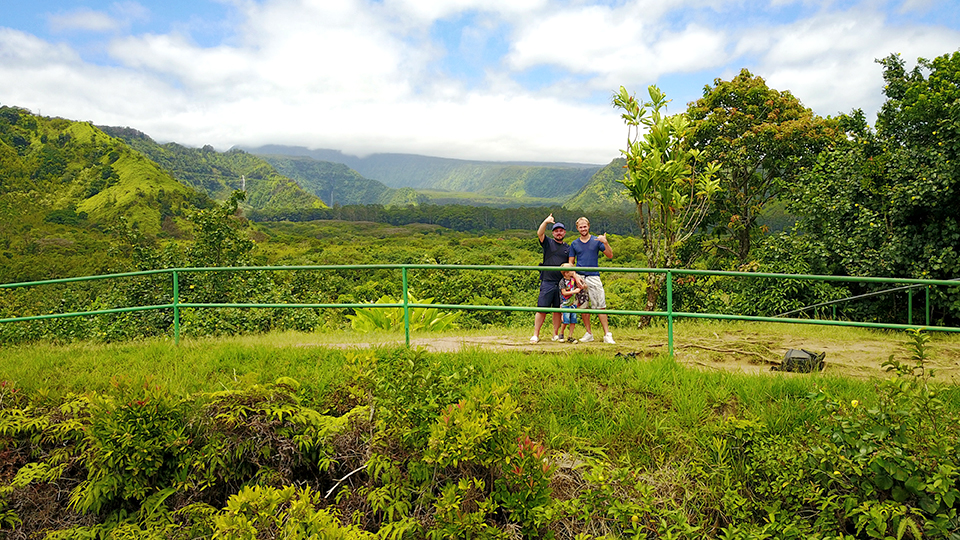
(586, 250)
(555, 253)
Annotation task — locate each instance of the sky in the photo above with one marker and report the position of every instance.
(497, 80)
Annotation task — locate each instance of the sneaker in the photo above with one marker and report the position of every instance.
(535, 339)
(572, 340)
(557, 338)
(586, 338)
(608, 338)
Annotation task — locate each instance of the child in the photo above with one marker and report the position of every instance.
(573, 293)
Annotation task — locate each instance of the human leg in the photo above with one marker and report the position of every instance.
(549, 297)
(598, 300)
(569, 322)
(537, 323)
(604, 323)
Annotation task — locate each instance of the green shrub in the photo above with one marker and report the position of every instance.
(134, 448)
(895, 464)
(265, 512)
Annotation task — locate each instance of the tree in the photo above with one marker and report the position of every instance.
(220, 239)
(671, 190)
(885, 203)
(762, 139)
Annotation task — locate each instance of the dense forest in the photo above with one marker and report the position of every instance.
(220, 174)
(453, 216)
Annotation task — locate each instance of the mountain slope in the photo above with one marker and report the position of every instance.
(542, 180)
(335, 183)
(64, 185)
(603, 191)
(53, 164)
(218, 174)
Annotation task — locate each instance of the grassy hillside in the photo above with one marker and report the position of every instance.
(218, 174)
(64, 185)
(335, 183)
(439, 197)
(512, 181)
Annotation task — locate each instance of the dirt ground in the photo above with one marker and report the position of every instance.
(737, 350)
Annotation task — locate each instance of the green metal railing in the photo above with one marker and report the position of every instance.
(176, 304)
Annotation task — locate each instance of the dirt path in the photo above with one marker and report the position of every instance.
(737, 350)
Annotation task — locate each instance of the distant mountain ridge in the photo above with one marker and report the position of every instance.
(556, 181)
(338, 184)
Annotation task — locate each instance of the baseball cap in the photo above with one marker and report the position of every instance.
(558, 226)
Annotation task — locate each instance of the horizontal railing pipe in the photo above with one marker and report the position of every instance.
(86, 313)
(670, 315)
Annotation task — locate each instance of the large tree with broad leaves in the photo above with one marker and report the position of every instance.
(762, 138)
(886, 202)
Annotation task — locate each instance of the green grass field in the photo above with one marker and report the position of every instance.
(639, 447)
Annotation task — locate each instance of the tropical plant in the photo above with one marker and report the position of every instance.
(668, 181)
(884, 203)
(421, 319)
(894, 464)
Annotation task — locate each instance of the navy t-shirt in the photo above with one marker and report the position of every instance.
(587, 254)
(554, 254)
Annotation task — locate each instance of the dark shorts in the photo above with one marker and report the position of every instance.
(549, 294)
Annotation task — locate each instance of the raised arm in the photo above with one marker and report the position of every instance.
(542, 231)
(607, 250)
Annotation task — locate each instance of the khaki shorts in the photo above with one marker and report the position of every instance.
(595, 290)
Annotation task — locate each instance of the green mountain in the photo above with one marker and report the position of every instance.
(556, 181)
(64, 185)
(335, 183)
(603, 191)
(218, 174)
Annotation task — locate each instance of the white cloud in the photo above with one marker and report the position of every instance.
(921, 6)
(83, 19)
(625, 45)
(432, 10)
(52, 79)
(368, 76)
(19, 50)
(828, 61)
(306, 74)
(130, 11)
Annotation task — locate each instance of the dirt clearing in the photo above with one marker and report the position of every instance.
(849, 352)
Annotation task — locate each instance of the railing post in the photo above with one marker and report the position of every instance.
(910, 306)
(176, 308)
(406, 307)
(670, 313)
(927, 307)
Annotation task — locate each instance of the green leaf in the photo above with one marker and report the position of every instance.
(883, 482)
